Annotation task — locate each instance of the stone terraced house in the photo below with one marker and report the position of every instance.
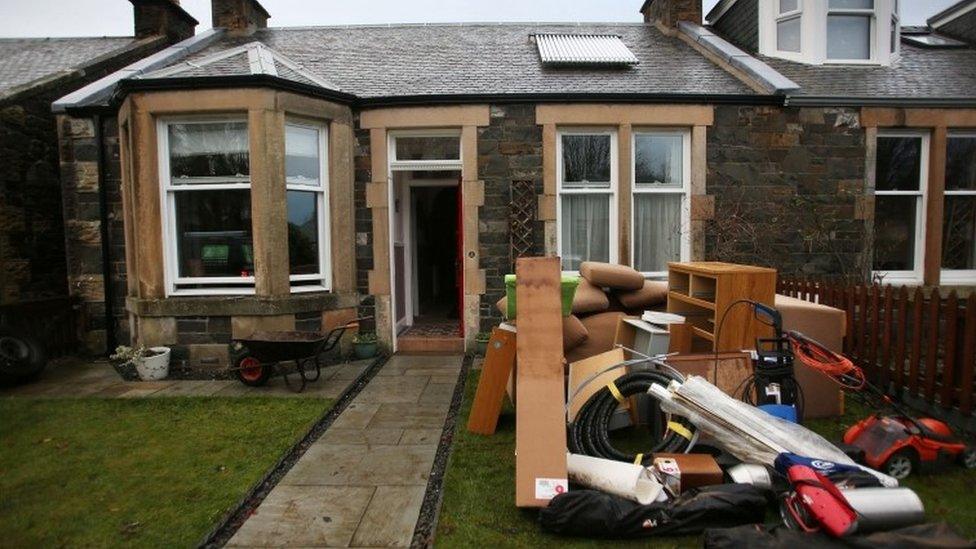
(293, 178)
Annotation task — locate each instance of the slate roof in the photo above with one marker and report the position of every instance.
(23, 60)
(500, 58)
(920, 73)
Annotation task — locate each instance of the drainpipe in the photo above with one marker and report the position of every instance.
(108, 290)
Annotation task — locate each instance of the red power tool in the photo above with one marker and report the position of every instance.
(816, 500)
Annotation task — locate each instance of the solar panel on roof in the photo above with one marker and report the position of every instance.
(584, 49)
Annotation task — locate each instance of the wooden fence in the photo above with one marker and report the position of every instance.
(51, 321)
(918, 344)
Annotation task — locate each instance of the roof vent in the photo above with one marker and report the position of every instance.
(571, 50)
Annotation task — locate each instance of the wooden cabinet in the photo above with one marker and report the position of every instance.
(705, 291)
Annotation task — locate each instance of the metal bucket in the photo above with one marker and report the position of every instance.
(885, 508)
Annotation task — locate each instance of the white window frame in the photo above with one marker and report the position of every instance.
(915, 276)
(782, 17)
(684, 191)
(397, 165)
(894, 48)
(872, 15)
(957, 276)
(168, 214)
(324, 276)
(611, 191)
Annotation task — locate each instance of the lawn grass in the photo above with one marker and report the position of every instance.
(479, 492)
(136, 473)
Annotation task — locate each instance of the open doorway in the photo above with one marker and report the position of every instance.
(426, 236)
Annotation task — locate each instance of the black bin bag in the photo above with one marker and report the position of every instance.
(593, 514)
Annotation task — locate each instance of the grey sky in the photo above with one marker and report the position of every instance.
(114, 17)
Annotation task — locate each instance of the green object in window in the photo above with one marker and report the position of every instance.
(215, 253)
(569, 284)
(248, 252)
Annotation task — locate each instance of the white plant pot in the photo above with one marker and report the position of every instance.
(153, 368)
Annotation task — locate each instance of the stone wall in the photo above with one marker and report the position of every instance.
(364, 225)
(789, 189)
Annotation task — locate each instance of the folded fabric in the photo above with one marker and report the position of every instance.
(654, 292)
(608, 275)
(589, 299)
(593, 514)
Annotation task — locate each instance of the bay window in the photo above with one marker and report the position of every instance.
(959, 210)
(206, 185)
(306, 179)
(586, 207)
(849, 29)
(789, 25)
(661, 212)
(900, 191)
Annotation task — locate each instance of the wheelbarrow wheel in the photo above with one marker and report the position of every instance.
(251, 372)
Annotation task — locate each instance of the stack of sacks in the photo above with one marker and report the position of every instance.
(606, 292)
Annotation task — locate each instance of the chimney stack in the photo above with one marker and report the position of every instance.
(162, 18)
(669, 12)
(240, 16)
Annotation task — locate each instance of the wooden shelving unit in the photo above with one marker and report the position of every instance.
(702, 292)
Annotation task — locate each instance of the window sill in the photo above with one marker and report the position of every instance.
(242, 305)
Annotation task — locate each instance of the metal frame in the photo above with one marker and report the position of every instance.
(610, 191)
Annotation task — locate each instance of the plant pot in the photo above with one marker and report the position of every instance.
(364, 350)
(153, 368)
(480, 348)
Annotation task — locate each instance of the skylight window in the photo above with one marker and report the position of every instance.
(932, 41)
(568, 50)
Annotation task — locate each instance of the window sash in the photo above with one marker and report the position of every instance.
(957, 276)
(684, 190)
(920, 195)
(609, 191)
(323, 226)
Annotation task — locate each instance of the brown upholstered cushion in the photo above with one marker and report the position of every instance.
(653, 293)
(574, 333)
(502, 306)
(589, 299)
(601, 329)
(608, 275)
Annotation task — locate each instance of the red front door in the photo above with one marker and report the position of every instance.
(460, 257)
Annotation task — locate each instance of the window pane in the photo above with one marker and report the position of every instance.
(894, 233)
(303, 232)
(213, 149)
(788, 5)
(657, 231)
(848, 37)
(961, 164)
(302, 155)
(213, 232)
(585, 229)
(586, 158)
(788, 35)
(851, 4)
(899, 164)
(959, 232)
(658, 160)
(428, 148)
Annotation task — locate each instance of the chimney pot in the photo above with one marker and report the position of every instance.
(162, 18)
(670, 12)
(241, 16)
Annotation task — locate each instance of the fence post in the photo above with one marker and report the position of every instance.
(901, 324)
(968, 357)
(949, 357)
(932, 351)
(886, 326)
(914, 361)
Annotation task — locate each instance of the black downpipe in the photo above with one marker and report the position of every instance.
(108, 290)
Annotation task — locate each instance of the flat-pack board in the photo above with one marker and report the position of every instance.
(540, 425)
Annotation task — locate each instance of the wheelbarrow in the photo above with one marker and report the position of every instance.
(262, 355)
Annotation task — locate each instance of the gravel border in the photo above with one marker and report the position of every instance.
(423, 534)
(232, 521)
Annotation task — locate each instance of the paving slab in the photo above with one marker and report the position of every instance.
(384, 442)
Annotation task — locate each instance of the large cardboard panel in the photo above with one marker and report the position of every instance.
(540, 430)
(821, 396)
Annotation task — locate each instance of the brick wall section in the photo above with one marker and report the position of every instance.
(510, 148)
(787, 182)
(669, 12)
(741, 24)
(364, 224)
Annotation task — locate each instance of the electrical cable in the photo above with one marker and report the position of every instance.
(589, 432)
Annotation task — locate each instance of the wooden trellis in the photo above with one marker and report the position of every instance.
(521, 216)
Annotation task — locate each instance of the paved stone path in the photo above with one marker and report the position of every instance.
(362, 484)
(73, 379)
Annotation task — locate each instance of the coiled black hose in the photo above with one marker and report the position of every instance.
(589, 432)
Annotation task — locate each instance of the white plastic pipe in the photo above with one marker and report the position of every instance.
(626, 480)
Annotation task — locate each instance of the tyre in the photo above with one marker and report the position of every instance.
(251, 372)
(21, 357)
(901, 464)
(968, 458)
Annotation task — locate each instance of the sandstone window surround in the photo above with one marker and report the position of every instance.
(629, 123)
(946, 130)
(285, 179)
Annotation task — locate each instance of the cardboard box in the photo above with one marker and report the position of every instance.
(684, 471)
(582, 370)
(727, 371)
(822, 397)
